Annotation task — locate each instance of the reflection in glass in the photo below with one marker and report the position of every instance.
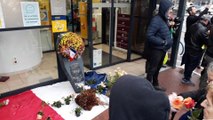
(141, 16)
(24, 62)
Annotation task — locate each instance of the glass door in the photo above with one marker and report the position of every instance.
(107, 33)
(141, 17)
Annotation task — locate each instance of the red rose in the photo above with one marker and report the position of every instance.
(189, 103)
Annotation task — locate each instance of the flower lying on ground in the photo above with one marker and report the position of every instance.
(4, 103)
(102, 83)
(40, 115)
(87, 99)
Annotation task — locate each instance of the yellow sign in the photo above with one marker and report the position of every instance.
(82, 8)
(83, 19)
(84, 28)
(59, 26)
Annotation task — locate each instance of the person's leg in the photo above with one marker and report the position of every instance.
(154, 61)
(190, 64)
(149, 67)
(161, 55)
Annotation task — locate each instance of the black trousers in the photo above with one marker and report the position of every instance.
(191, 62)
(153, 65)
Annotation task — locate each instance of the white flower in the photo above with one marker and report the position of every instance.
(6, 102)
(102, 84)
(173, 97)
(39, 117)
(81, 85)
(86, 87)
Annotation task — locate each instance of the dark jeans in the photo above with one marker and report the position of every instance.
(153, 65)
(191, 62)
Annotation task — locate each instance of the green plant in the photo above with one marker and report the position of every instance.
(68, 99)
(78, 111)
(113, 78)
(40, 113)
(57, 104)
(195, 113)
(90, 82)
(100, 89)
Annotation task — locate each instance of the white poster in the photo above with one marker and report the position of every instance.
(2, 24)
(97, 58)
(58, 7)
(30, 13)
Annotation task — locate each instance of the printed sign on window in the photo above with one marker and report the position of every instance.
(30, 13)
(59, 24)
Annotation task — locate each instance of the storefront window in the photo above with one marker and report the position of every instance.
(22, 48)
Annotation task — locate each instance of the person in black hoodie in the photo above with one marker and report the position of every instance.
(134, 98)
(159, 40)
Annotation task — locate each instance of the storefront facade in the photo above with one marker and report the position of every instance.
(113, 31)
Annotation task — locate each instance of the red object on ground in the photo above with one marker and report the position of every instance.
(4, 78)
(25, 106)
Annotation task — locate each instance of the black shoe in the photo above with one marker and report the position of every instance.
(159, 88)
(187, 82)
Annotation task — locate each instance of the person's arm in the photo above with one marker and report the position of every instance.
(152, 30)
(193, 18)
(205, 36)
(205, 11)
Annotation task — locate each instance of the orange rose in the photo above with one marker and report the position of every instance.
(177, 103)
(189, 103)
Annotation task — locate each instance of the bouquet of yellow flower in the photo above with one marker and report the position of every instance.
(71, 46)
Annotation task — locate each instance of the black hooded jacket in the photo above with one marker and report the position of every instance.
(158, 33)
(134, 98)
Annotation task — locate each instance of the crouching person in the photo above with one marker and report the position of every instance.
(134, 98)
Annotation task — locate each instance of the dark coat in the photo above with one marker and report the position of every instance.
(158, 33)
(191, 19)
(134, 98)
(198, 38)
(209, 50)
